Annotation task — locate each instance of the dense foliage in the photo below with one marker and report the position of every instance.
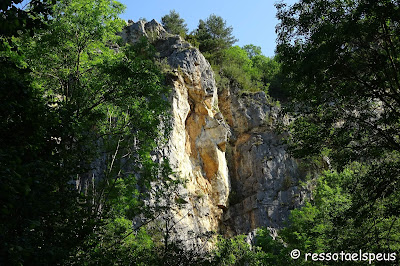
(246, 67)
(80, 117)
(14, 19)
(68, 105)
(341, 60)
(174, 24)
(82, 114)
(213, 35)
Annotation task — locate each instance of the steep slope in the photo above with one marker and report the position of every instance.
(239, 176)
(264, 177)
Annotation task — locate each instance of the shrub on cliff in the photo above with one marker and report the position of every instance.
(174, 24)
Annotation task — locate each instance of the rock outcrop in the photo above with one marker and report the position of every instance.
(238, 174)
(264, 177)
(196, 149)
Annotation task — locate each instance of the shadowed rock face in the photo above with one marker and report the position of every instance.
(232, 186)
(264, 178)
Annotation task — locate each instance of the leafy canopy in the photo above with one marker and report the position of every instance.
(214, 35)
(81, 119)
(174, 24)
(341, 62)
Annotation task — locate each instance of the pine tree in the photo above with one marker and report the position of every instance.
(174, 24)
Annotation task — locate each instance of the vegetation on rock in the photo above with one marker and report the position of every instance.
(174, 24)
(82, 115)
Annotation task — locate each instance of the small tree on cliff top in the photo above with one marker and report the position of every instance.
(174, 24)
(213, 35)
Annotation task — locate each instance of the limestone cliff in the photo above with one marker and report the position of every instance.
(264, 178)
(238, 174)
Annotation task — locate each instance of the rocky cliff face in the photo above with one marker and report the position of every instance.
(264, 178)
(239, 176)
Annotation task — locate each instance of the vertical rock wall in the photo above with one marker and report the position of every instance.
(263, 175)
(232, 186)
(196, 149)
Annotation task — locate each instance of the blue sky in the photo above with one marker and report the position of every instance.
(253, 21)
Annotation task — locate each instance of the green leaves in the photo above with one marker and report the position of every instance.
(79, 125)
(238, 68)
(213, 35)
(340, 75)
(174, 24)
(314, 227)
(236, 251)
(340, 60)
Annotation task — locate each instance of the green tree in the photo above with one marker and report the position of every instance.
(271, 76)
(341, 59)
(252, 50)
(81, 101)
(174, 24)
(325, 224)
(249, 69)
(236, 251)
(238, 68)
(14, 19)
(35, 204)
(213, 35)
(110, 103)
(321, 225)
(26, 160)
